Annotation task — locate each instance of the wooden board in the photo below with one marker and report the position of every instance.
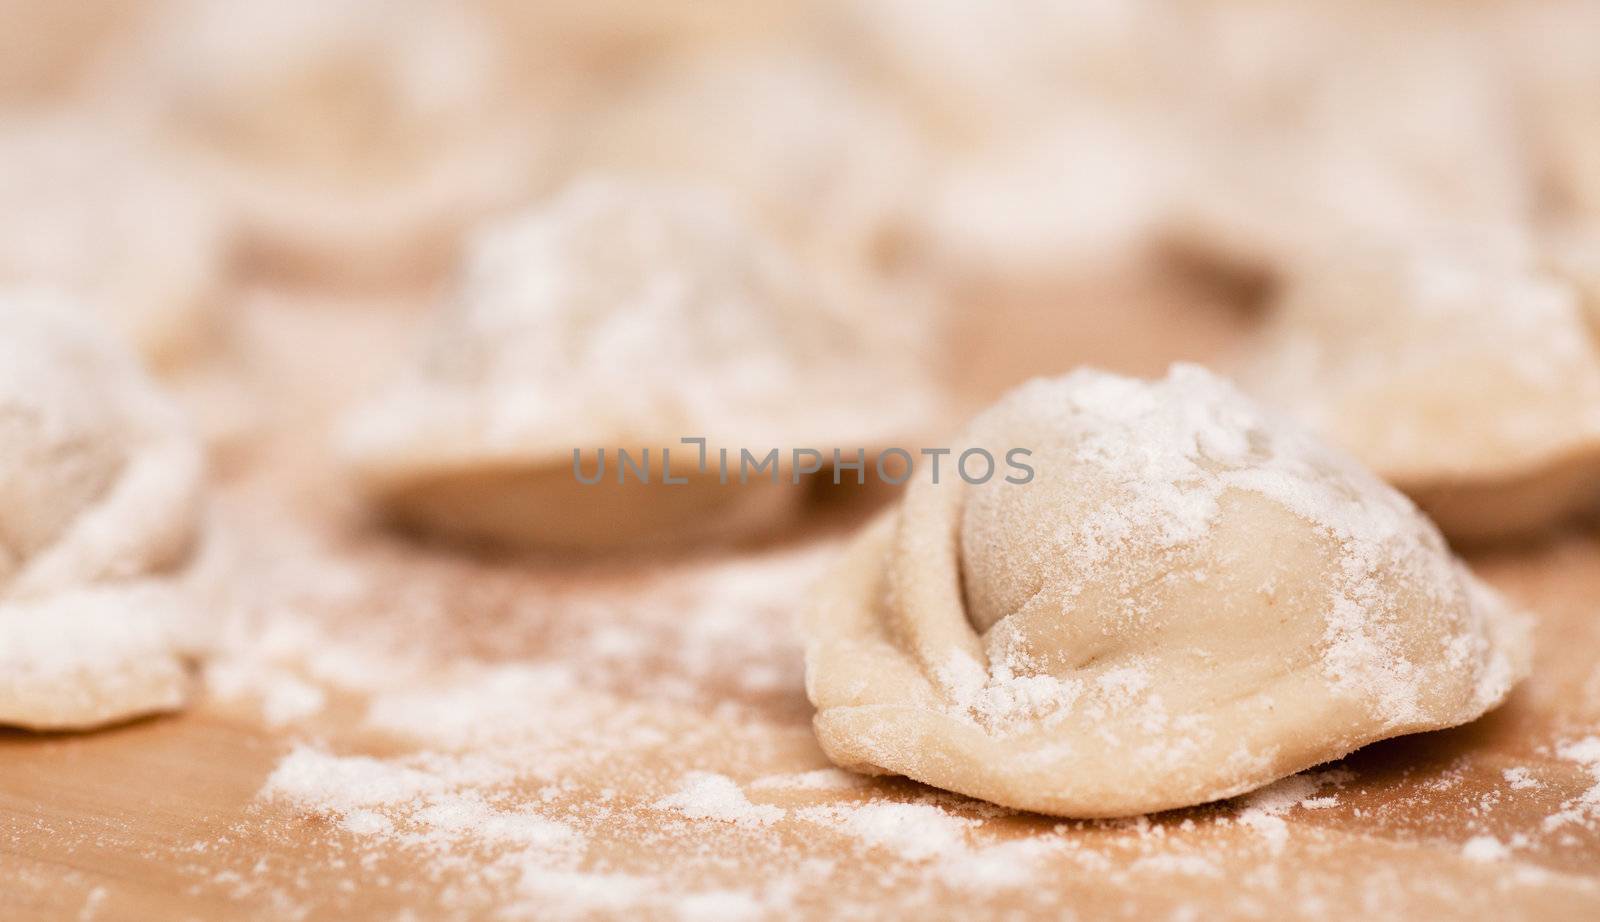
(164, 818)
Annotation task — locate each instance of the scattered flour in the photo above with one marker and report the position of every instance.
(710, 796)
(1485, 849)
(92, 903)
(1519, 778)
(822, 779)
(1585, 808)
(1270, 826)
(1181, 865)
(340, 785)
(440, 808)
(290, 701)
(997, 867)
(914, 832)
(1263, 810)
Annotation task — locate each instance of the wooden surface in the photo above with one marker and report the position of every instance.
(163, 818)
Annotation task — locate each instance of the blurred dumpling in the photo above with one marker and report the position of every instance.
(624, 315)
(970, 68)
(354, 138)
(1104, 634)
(89, 210)
(99, 509)
(818, 157)
(1549, 50)
(1387, 127)
(1076, 194)
(598, 41)
(1468, 376)
(1044, 131)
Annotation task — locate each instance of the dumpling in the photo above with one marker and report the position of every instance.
(631, 316)
(99, 509)
(1468, 376)
(89, 210)
(1171, 598)
(355, 139)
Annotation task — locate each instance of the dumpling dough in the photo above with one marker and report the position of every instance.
(88, 209)
(355, 139)
(99, 492)
(1189, 600)
(627, 315)
(1468, 376)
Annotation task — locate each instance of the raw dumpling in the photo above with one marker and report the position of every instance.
(99, 493)
(89, 210)
(627, 316)
(1186, 600)
(1467, 376)
(354, 138)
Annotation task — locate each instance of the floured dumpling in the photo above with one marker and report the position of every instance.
(1467, 376)
(1186, 600)
(99, 507)
(355, 138)
(627, 316)
(89, 210)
